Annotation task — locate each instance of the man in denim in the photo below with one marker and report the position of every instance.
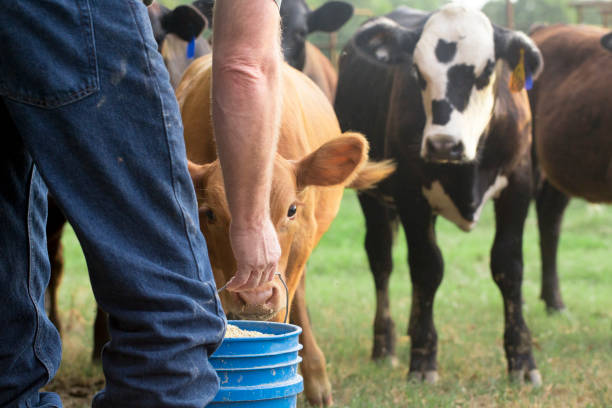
(91, 115)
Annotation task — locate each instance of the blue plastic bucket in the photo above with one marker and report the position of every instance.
(259, 371)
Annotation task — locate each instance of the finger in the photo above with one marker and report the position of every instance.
(238, 280)
(263, 278)
(271, 272)
(253, 281)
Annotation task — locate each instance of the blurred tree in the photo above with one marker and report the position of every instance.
(528, 12)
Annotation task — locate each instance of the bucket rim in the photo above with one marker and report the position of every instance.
(261, 392)
(297, 361)
(275, 353)
(295, 330)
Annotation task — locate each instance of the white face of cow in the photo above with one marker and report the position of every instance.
(455, 62)
(455, 53)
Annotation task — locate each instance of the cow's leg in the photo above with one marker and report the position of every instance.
(316, 384)
(101, 336)
(426, 270)
(378, 245)
(55, 227)
(507, 269)
(550, 205)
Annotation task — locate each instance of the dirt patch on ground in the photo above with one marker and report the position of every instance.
(76, 393)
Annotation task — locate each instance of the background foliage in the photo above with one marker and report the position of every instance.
(526, 13)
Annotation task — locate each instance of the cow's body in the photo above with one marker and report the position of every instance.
(301, 211)
(320, 69)
(388, 107)
(571, 105)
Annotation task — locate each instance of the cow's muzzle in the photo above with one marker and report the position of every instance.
(444, 149)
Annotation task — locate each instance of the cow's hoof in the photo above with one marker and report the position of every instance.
(430, 377)
(384, 346)
(553, 302)
(532, 376)
(552, 309)
(392, 361)
(318, 394)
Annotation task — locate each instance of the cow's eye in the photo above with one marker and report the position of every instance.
(210, 215)
(292, 211)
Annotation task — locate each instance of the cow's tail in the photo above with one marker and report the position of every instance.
(371, 173)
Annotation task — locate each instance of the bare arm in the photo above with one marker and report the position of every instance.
(246, 116)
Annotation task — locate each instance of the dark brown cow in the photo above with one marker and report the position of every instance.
(572, 106)
(314, 163)
(172, 30)
(431, 91)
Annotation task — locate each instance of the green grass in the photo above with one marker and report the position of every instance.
(573, 349)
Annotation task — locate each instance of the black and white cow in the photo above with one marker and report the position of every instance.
(431, 91)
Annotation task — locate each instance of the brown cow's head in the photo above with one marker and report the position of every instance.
(453, 54)
(292, 207)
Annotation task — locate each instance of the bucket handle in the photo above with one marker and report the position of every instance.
(222, 288)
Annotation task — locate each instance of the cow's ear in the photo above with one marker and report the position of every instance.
(385, 41)
(330, 16)
(335, 162)
(508, 46)
(606, 41)
(206, 8)
(185, 21)
(199, 173)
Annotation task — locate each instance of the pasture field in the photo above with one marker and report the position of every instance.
(573, 349)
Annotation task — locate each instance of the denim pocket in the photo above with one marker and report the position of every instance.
(48, 54)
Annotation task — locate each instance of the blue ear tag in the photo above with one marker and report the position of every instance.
(191, 48)
(529, 82)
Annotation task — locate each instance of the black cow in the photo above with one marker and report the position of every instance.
(431, 91)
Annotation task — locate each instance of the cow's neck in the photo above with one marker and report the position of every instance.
(459, 192)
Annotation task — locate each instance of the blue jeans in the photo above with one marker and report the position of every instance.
(95, 120)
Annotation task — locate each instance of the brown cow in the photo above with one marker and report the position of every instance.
(312, 152)
(571, 103)
(320, 69)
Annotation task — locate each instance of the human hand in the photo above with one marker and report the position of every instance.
(257, 252)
